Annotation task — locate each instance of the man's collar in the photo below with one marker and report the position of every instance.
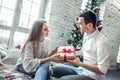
(92, 34)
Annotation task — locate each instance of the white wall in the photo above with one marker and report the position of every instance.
(111, 28)
(61, 15)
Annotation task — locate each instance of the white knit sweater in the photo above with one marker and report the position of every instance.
(30, 63)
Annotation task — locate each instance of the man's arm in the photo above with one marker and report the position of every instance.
(93, 68)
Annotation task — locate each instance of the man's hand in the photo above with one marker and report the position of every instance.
(75, 61)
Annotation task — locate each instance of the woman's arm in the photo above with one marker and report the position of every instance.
(52, 58)
(53, 51)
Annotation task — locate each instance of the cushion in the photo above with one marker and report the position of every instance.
(3, 53)
(12, 56)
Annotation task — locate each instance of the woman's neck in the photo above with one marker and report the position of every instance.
(41, 39)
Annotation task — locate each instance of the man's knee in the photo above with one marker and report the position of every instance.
(63, 71)
(76, 77)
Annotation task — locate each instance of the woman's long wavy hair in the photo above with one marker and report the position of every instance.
(35, 35)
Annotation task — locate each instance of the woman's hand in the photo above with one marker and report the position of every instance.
(55, 58)
(53, 51)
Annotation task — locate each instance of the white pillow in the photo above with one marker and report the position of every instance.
(12, 56)
(3, 54)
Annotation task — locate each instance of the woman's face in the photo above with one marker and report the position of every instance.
(45, 30)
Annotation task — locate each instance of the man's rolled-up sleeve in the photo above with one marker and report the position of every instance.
(103, 55)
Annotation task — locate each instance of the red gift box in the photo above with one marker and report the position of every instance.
(66, 52)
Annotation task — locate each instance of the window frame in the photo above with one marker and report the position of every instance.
(15, 23)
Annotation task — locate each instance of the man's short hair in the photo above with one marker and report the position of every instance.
(89, 17)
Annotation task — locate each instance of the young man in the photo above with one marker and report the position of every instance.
(95, 52)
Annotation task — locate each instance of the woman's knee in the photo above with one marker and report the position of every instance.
(42, 73)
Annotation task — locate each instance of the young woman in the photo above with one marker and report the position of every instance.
(36, 54)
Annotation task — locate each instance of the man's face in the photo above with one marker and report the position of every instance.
(81, 25)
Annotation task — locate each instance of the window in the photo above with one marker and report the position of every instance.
(19, 38)
(7, 8)
(29, 12)
(16, 19)
(23, 20)
(4, 38)
(6, 17)
(9, 4)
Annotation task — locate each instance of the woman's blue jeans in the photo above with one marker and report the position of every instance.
(42, 72)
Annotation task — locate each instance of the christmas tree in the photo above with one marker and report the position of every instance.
(94, 5)
(76, 38)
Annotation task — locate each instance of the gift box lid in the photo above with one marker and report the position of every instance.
(66, 48)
